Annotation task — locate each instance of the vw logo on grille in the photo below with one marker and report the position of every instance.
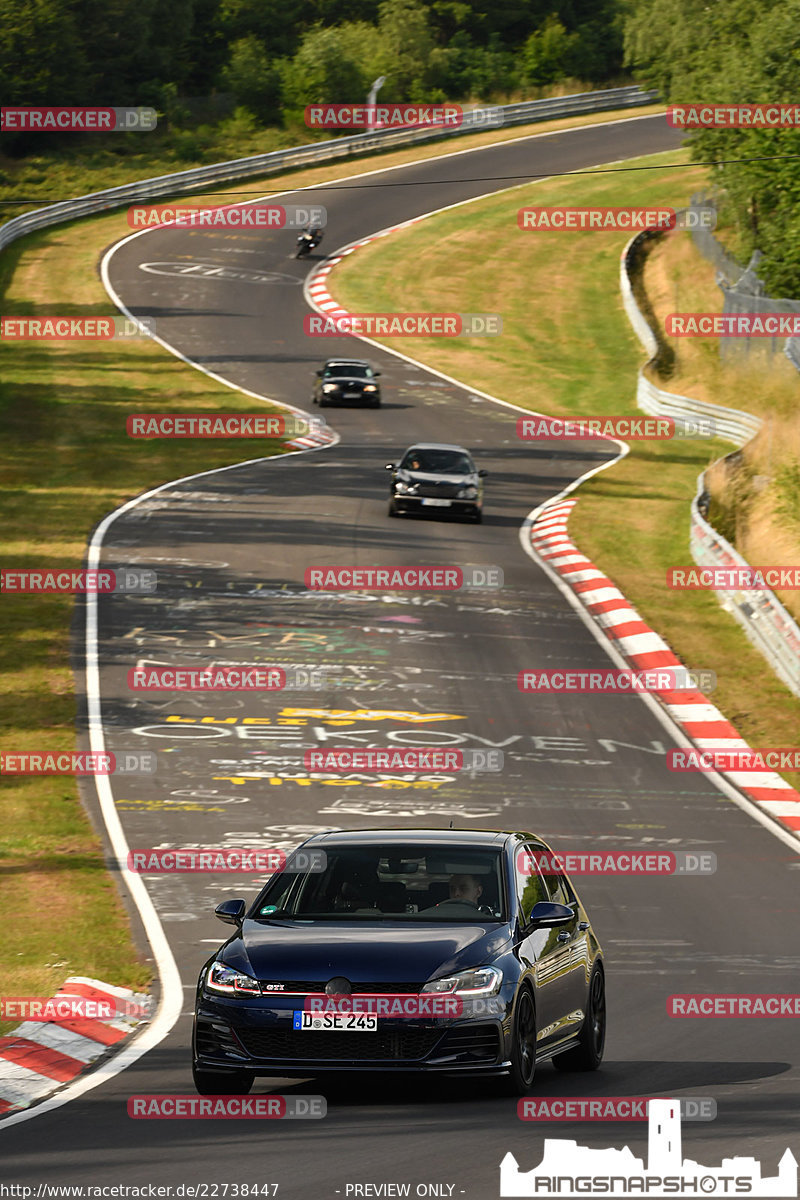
(338, 986)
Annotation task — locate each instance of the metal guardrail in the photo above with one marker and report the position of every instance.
(765, 621)
(199, 178)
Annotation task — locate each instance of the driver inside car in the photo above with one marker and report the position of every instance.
(466, 888)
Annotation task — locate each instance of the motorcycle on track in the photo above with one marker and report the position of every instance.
(308, 240)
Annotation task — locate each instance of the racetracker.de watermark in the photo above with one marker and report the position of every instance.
(402, 578)
(734, 578)
(227, 216)
(743, 759)
(63, 329)
(733, 1004)
(226, 1108)
(624, 219)
(77, 120)
(631, 429)
(334, 759)
(72, 1008)
(228, 679)
(608, 1108)
(220, 425)
(618, 680)
(617, 862)
(734, 116)
(400, 116)
(387, 1004)
(128, 579)
(404, 324)
(224, 860)
(733, 325)
(54, 762)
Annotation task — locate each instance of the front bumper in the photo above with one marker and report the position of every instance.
(257, 1037)
(404, 503)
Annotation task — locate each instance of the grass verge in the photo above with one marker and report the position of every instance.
(564, 327)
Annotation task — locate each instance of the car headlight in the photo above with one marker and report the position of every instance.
(370, 387)
(483, 981)
(224, 979)
(330, 387)
(468, 493)
(405, 489)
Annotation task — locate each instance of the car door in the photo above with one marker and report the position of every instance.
(537, 949)
(568, 958)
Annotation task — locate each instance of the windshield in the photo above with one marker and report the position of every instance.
(408, 883)
(351, 372)
(438, 462)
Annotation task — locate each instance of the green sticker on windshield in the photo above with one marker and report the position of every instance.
(268, 908)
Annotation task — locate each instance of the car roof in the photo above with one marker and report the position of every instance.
(346, 362)
(395, 837)
(437, 446)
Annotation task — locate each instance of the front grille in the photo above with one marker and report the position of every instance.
(444, 491)
(478, 1042)
(302, 987)
(403, 1044)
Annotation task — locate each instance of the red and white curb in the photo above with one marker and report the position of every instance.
(692, 711)
(316, 289)
(39, 1057)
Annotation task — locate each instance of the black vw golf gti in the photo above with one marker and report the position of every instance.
(426, 950)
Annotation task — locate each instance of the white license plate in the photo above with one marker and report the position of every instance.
(352, 395)
(340, 1022)
(437, 503)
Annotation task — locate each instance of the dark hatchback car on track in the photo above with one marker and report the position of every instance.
(344, 380)
(435, 478)
(400, 926)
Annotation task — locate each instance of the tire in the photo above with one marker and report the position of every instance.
(222, 1083)
(519, 1079)
(477, 516)
(392, 509)
(588, 1055)
(376, 403)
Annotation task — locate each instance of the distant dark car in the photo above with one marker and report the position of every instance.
(468, 920)
(430, 476)
(342, 380)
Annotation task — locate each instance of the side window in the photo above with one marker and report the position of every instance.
(529, 885)
(560, 891)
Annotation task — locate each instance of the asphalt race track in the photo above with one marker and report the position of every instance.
(231, 549)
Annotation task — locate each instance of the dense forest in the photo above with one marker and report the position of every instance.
(270, 60)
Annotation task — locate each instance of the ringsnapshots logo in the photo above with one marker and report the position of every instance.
(616, 219)
(734, 116)
(616, 862)
(609, 1108)
(626, 428)
(227, 216)
(79, 329)
(413, 759)
(732, 325)
(567, 1169)
(129, 580)
(226, 1108)
(617, 680)
(221, 425)
(54, 762)
(404, 324)
(734, 578)
(403, 578)
(77, 120)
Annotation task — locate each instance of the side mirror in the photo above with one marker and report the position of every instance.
(483, 474)
(376, 373)
(231, 911)
(546, 915)
(318, 373)
(390, 466)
